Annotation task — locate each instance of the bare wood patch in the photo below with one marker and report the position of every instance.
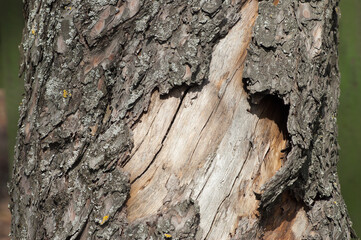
(287, 220)
(205, 145)
(208, 144)
(203, 157)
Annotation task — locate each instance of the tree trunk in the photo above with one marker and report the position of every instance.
(151, 120)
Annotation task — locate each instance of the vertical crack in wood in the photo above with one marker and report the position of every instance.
(212, 149)
(229, 193)
(188, 159)
(164, 137)
(135, 149)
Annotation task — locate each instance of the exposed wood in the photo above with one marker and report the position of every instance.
(288, 220)
(183, 119)
(208, 145)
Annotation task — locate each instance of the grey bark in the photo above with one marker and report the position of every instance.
(90, 67)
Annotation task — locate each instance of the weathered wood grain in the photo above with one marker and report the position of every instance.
(206, 145)
(191, 119)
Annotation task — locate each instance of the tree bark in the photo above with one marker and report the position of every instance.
(151, 120)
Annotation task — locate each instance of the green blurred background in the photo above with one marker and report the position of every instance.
(11, 26)
(349, 117)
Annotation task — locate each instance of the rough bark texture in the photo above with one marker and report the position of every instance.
(293, 55)
(146, 118)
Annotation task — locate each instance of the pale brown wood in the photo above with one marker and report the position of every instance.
(145, 119)
(206, 145)
(288, 221)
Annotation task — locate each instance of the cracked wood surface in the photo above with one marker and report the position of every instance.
(144, 119)
(202, 143)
